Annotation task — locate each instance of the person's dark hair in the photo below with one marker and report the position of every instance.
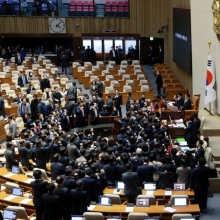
(202, 161)
(59, 179)
(68, 171)
(37, 174)
(169, 168)
(79, 184)
(111, 159)
(146, 159)
(183, 162)
(168, 159)
(173, 151)
(124, 158)
(188, 95)
(128, 166)
(88, 172)
(188, 153)
(56, 157)
(50, 187)
(62, 151)
(72, 163)
(9, 137)
(200, 142)
(195, 115)
(72, 139)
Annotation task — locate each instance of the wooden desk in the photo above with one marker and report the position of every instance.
(156, 193)
(2, 130)
(17, 201)
(12, 110)
(157, 210)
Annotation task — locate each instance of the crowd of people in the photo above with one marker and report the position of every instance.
(88, 55)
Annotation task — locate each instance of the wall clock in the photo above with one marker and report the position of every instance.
(57, 25)
(216, 17)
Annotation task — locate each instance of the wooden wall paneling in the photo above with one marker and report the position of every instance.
(77, 42)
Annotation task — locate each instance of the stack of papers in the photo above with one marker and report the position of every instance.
(116, 192)
(129, 209)
(168, 193)
(169, 209)
(179, 121)
(91, 207)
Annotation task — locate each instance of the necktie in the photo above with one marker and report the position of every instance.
(82, 111)
(23, 80)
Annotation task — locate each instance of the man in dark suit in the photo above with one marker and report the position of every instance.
(111, 171)
(57, 96)
(199, 182)
(191, 132)
(10, 156)
(44, 83)
(118, 102)
(159, 82)
(187, 103)
(167, 178)
(89, 185)
(24, 154)
(63, 62)
(100, 86)
(199, 152)
(80, 115)
(150, 55)
(22, 80)
(30, 88)
(65, 120)
(179, 100)
(39, 188)
(130, 180)
(79, 199)
(29, 121)
(18, 99)
(39, 155)
(128, 101)
(56, 167)
(63, 194)
(72, 93)
(19, 59)
(69, 180)
(50, 204)
(113, 54)
(94, 114)
(197, 121)
(145, 172)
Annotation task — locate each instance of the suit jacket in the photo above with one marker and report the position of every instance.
(199, 179)
(180, 102)
(100, 86)
(50, 108)
(63, 61)
(166, 180)
(69, 183)
(145, 173)
(92, 114)
(44, 83)
(50, 204)
(111, 57)
(111, 171)
(30, 89)
(118, 100)
(79, 200)
(28, 123)
(191, 130)
(130, 179)
(17, 100)
(70, 107)
(90, 187)
(63, 194)
(72, 93)
(39, 188)
(128, 104)
(19, 62)
(65, 123)
(187, 105)
(200, 153)
(13, 128)
(109, 106)
(183, 175)
(79, 114)
(27, 108)
(57, 169)
(73, 152)
(20, 81)
(159, 80)
(10, 158)
(24, 154)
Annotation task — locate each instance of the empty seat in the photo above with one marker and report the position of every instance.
(9, 186)
(95, 68)
(115, 198)
(105, 72)
(110, 67)
(145, 88)
(109, 89)
(68, 85)
(11, 93)
(20, 68)
(63, 80)
(121, 72)
(6, 103)
(6, 128)
(112, 62)
(140, 76)
(177, 86)
(129, 82)
(177, 196)
(81, 69)
(125, 77)
(87, 64)
(124, 62)
(20, 212)
(93, 78)
(93, 215)
(20, 122)
(169, 86)
(180, 216)
(166, 81)
(152, 199)
(137, 71)
(109, 78)
(127, 89)
(137, 67)
(135, 62)
(114, 83)
(16, 72)
(89, 73)
(137, 216)
(123, 67)
(143, 82)
(5, 86)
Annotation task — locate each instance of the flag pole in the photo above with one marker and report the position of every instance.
(209, 110)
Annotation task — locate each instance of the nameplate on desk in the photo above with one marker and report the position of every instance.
(91, 207)
(25, 201)
(129, 209)
(28, 181)
(168, 193)
(169, 209)
(9, 174)
(9, 198)
(116, 191)
(150, 193)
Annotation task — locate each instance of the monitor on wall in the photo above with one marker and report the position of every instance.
(182, 51)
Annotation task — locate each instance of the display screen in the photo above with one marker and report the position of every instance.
(182, 51)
